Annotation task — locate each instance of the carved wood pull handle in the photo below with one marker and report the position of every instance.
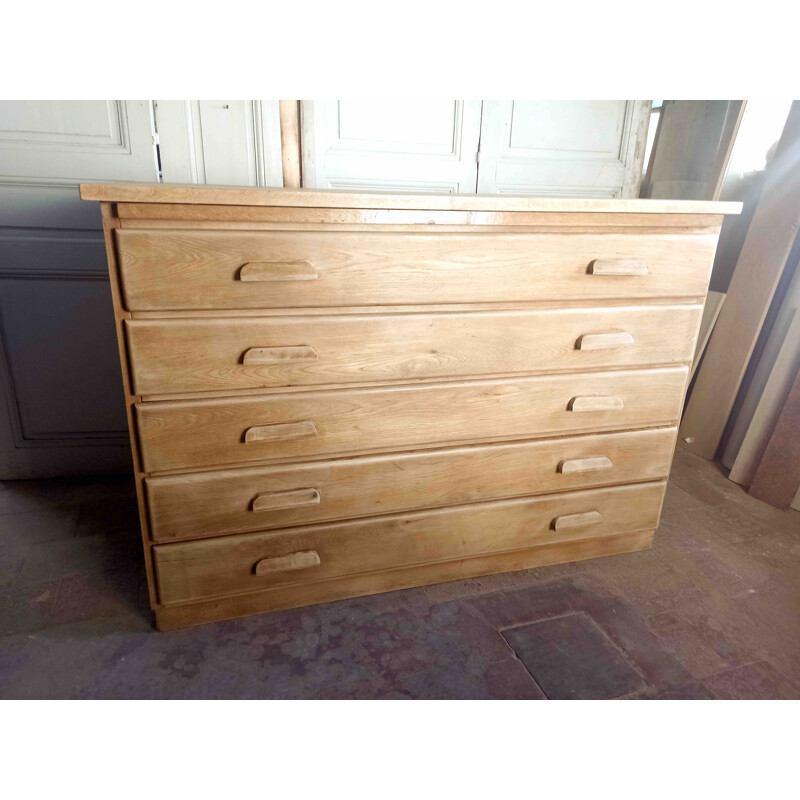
(577, 520)
(602, 341)
(595, 402)
(271, 501)
(588, 464)
(280, 431)
(279, 355)
(277, 271)
(617, 266)
(293, 561)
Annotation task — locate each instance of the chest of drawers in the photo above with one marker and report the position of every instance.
(333, 394)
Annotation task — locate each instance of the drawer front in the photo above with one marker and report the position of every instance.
(239, 564)
(194, 355)
(238, 500)
(188, 434)
(189, 269)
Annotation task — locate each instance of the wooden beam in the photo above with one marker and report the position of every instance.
(766, 413)
(778, 475)
(711, 309)
(290, 143)
(733, 119)
(646, 184)
(758, 270)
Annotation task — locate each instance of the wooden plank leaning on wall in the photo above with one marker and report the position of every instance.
(776, 390)
(778, 475)
(758, 270)
(692, 148)
(693, 126)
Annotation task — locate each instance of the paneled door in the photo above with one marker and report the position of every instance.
(563, 148)
(61, 400)
(571, 148)
(230, 142)
(419, 146)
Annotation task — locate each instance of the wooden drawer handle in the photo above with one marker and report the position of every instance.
(577, 520)
(280, 431)
(588, 464)
(279, 355)
(301, 560)
(612, 266)
(595, 402)
(602, 341)
(270, 501)
(277, 271)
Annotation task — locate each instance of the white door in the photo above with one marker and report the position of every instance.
(418, 146)
(563, 148)
(61, 403)
(228, 142)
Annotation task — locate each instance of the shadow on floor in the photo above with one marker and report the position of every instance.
(711, 611)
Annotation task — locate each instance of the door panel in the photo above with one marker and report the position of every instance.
(61, 402)
(574, 148)
(229, 142)
(76, 140)
(420, 146)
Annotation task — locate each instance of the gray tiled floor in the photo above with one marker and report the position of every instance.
(712, 611)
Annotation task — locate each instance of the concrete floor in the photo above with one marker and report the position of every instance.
(713, 611)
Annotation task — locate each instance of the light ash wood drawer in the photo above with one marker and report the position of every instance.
(249, 562)
(191, 269)
(177, 435)
(194, 355)
(229, 501)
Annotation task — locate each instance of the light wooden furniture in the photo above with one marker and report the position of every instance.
(333, 394)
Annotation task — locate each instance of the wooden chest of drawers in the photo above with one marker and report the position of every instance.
(333, 394)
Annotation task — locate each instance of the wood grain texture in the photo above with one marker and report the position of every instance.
(761, 262)
(292, 562)
(289, 111)
(283, 597)
(373, 441)
(777, 476)
(585, 464)
(582, 519)
(218, 567)
(194, 355)
(187, 216)
(166, 270)
(292, 498)
(280, 432)
(595, 402)
(273, 271)
(604, 341)
(109, 225)
(618, 266)
(238, 196)
(186, 435)
(204, 504)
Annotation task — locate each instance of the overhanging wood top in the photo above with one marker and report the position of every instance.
(309, 198)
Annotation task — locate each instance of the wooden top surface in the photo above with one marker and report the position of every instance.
(308, 198)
